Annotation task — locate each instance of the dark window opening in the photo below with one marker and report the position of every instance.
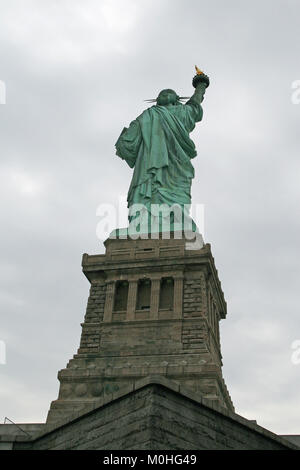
(166, 297)
(121, 296)
(143, 295)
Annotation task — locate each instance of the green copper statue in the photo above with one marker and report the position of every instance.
(157, 145)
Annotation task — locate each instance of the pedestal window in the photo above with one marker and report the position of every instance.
(143, 295)
(166, 297)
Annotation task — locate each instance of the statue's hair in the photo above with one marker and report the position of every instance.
(177, 98)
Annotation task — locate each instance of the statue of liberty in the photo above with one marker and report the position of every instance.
(157, 145)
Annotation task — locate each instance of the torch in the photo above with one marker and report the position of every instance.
(200, 77)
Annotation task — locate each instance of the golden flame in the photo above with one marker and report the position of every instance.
(199, 72)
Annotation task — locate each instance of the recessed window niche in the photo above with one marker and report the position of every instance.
(121, 296)
(143, 295)
(166, 297)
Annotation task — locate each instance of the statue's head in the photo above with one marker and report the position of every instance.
(166, 97)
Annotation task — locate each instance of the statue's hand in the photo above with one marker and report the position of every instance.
(200, 79)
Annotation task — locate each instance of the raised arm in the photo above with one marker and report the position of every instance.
(198, 95)
(200, 83)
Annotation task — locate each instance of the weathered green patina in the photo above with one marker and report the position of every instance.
(158, 146)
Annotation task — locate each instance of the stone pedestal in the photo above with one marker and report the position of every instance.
(154, 308)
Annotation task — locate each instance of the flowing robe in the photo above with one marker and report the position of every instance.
(157, 145)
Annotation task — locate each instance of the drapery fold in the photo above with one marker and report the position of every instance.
(157, 145)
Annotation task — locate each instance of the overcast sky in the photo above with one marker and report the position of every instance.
(77, 72)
